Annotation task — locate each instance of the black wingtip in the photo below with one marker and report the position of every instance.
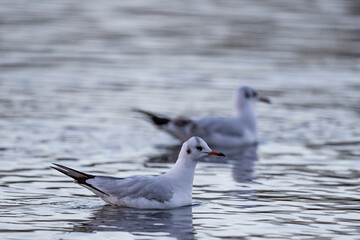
(156, 120)
(78, 176)
(62, 171)
(58, 169)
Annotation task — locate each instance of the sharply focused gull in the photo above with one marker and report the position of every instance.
(173, 189)
(217, 131)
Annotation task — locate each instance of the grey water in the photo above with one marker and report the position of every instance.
(71, 71)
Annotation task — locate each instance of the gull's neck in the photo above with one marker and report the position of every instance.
(246, 113)
(183, 170)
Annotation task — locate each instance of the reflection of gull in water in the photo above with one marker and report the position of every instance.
(175, 223)
(243, 162)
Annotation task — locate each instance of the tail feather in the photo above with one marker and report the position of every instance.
(78, 176)
(159, 121)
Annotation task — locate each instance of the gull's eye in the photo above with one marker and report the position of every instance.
(199, 148)
(255, 94)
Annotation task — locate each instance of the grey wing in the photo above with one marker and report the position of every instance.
(224, 126)
(148, 187)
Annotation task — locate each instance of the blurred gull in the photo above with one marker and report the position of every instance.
(217, 131)
(173, 189)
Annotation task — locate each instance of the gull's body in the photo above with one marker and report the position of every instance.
(237, 130)
(173, 189)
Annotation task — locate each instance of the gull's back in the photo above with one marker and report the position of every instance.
(224, 131)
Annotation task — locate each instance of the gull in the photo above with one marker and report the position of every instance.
(170, 190)
(238, 130)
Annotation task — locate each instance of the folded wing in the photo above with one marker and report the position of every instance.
(148, 187)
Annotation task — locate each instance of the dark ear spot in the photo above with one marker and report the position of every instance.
(188, 151)
(247, 94)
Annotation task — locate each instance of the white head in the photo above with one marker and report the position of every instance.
(246, 96)
(196, 148)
